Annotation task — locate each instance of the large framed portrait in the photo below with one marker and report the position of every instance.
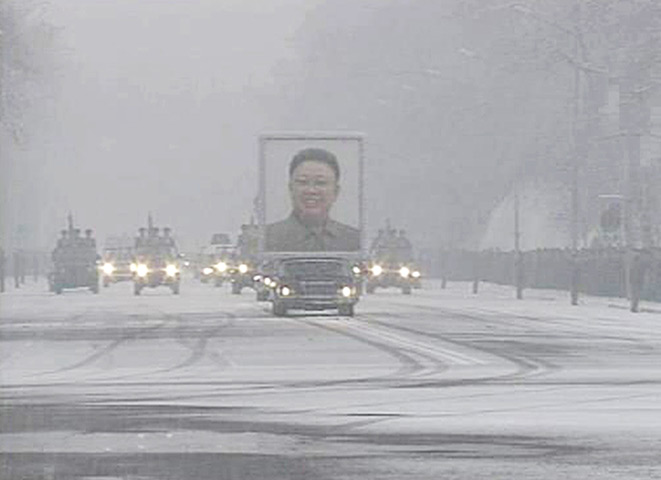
(311, 192)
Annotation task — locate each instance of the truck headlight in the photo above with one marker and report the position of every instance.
(377, 270)
(108, 268)
(171, 270)
(142, 270)
(221, 267)
(243, 268)
(346, 291)
(285, 291)
(404, 272)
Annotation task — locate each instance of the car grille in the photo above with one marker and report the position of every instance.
(319, 288)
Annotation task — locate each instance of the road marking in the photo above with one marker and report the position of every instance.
(446, 354)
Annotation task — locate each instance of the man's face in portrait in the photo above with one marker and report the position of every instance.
(313, 188)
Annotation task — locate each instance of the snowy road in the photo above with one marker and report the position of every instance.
(441, 384)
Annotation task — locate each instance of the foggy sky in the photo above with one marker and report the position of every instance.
(156, 108)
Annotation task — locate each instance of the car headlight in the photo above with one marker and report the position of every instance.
(243, 268)
(285, 291)
(377, 270)
(221, 267)
(133, 267)
(415, 274)
(356, 270)
(142, 270)
(108, 268)
(347, 291)
(207, 270)
(171, 270)
(405, 272)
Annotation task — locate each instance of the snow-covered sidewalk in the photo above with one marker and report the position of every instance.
(536, 303)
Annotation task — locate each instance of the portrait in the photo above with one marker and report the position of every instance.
(311, 187)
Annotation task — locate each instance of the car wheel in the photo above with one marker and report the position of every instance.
(279, 310)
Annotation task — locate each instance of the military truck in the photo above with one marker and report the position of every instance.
(156, 260)
(75, 261)
(391, 263)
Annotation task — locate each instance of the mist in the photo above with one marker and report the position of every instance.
(152, 107)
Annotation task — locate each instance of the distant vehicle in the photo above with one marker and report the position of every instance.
(264, 279)
(156, 261)
(215, 260)
(75, 261)
(391, 263)
(241, 275)
(244, 263)
(116, 265)
(314, 283)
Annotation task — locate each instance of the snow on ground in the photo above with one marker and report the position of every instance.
(32, 302)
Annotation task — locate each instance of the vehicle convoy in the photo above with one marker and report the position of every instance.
(75, 261)
(313, 283)
(215, 259)
(156, 260)
(391, 263)
(116, 261)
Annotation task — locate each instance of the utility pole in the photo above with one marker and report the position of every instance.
(630, 118)
(578, 152)
(518, 258)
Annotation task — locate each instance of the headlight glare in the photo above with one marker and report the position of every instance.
(221, 267)
(207, 270)
(243, 268)
(346, 291)
(404, 271)
(377, 270)
(142, 270)
(108, 268)
(171, 270)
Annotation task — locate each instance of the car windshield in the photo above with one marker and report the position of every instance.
(157, 251)
(118, 255)
(306, 269)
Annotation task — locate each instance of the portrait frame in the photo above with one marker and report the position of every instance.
(292, 141)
